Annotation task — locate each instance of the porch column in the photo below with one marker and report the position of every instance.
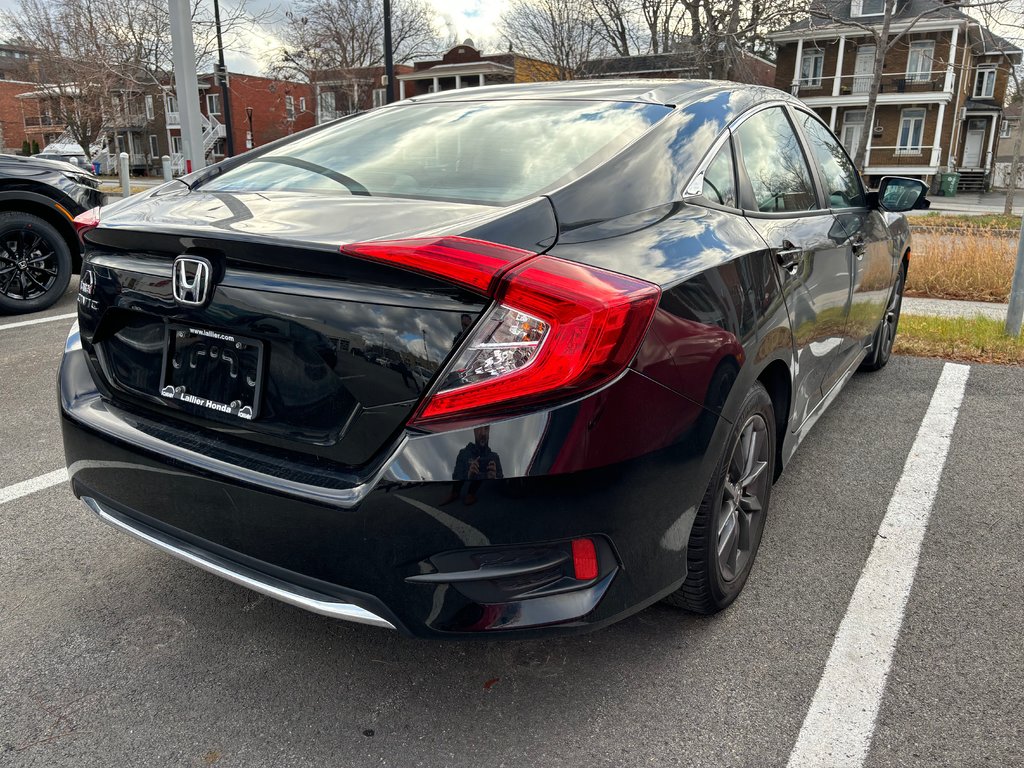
(458, 82)
(839, 73)
(795, 87)
(481, 78)
(832, 120)
(401, 89)
(950, 76)
(937, 141)
(437, 85)
(991, 142)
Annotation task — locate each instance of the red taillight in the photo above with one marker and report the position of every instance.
(473, 264)
(558, 329)
(584, 559)
(83, 222)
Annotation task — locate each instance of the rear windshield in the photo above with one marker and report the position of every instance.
(482, 152)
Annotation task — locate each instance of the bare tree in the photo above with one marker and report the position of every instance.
(342, 34)
(89, 51)
(616, 23)
(564, 33)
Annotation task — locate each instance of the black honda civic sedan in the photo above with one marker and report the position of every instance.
(496, 361)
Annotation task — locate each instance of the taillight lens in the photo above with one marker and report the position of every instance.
(558, 329)
(83, 222)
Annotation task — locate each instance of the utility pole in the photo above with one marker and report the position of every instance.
(1015, 312)
(222, 80)
(186, 84)
(389, 56)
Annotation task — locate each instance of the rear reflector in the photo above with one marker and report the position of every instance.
(557, 330)
(584, 559)
(83, 222)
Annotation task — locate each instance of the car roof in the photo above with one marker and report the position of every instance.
(646, 90)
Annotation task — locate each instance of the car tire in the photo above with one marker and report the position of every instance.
(35, 263)
(885, 334)
(727, 530)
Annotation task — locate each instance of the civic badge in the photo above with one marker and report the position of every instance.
(192, 281)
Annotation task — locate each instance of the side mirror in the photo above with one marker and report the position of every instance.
(897, 194)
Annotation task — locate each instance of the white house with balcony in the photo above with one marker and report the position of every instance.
(941, 89)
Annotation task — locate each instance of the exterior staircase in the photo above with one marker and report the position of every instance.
(972, 181)
(213, 130)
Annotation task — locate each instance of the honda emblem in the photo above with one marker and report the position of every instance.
(192, 280)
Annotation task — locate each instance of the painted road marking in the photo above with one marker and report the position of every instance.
(37, 321)
(24, 488)
(839, 725)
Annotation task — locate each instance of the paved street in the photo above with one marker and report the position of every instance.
(114, 654)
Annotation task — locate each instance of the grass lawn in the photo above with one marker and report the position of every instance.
(976, 340)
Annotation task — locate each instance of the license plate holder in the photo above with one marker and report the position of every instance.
(213, 371)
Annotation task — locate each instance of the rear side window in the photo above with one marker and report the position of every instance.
(775, 164)
(720, 179)
(493, 152)
(842, 185)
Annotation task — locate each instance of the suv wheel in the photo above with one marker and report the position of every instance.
(35, 263)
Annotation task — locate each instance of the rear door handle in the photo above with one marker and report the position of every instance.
(788, 256)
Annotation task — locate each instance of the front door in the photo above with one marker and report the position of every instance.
(974, 140)
(853, 124)
(808, 243)
(863, 68)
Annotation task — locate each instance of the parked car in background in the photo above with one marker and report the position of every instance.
(77, 159)
(600, 317)
(39, 249)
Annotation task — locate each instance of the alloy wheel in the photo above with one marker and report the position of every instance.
(746, 481)
(29, 265)
(891, 318)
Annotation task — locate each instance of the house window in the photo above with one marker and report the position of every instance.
(172, 103)
(867, 7)
(919, 60)
(985, 84)
(302, 104)
(154, 147)
(213, 103)
(150, 113)
(911, 132)
(380, 97)
(176, 145)
(811, 66)
(1005, 129)
(289, 107)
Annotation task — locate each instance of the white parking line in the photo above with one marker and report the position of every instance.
(839, 725)
(24, 488)
(37, 321)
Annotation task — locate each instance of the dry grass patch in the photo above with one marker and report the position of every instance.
(971, 265)
(976, 340)
(983, 221)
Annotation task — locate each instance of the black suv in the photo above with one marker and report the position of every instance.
(38, 246)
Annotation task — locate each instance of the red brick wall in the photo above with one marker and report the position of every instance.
(266, 96)
(12, 115)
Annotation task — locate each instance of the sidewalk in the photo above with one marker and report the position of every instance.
(947, 308)
(973, 203)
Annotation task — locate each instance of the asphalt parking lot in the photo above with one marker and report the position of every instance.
(114, 654)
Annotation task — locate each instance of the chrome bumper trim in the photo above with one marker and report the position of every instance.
(265, 585)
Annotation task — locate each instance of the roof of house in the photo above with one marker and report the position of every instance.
(830, 13)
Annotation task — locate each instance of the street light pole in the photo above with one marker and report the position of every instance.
(222, 80)
(389, 56)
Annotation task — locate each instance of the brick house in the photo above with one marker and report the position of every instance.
(942, 89)
(465, 66)
(684, 62)
(12, 115)
(278, 108)
(342, 92)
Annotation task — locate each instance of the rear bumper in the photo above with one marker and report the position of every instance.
(354, 553)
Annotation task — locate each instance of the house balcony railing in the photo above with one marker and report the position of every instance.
(903, 156)
(860, 85)
(42, 121)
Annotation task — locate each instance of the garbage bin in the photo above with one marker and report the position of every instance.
(96, 167)
(948, 183)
